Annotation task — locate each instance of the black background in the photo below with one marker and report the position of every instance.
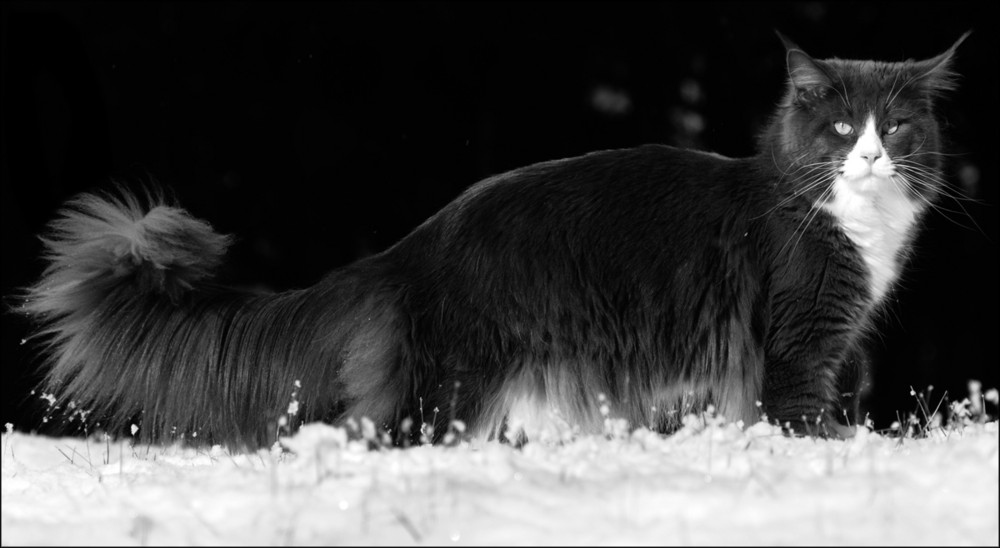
(319, 133)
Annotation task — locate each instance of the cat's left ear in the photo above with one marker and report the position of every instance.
(935, 75)
(804, 74)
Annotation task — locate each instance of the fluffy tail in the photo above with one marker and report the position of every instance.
(136, 332)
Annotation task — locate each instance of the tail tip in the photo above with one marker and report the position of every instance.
(100, 240)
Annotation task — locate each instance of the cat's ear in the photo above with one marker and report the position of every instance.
(789, 45)
(935, 75)
(805, 75)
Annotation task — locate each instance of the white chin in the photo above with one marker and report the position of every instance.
(866, 183)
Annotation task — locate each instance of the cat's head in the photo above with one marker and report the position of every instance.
(869, 125)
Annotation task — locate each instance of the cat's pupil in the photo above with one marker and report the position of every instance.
(843, 128)
(891, 126)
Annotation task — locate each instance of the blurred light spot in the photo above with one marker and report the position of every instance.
(687, 121)
(610, 101)
(691, 91)
(968, 174)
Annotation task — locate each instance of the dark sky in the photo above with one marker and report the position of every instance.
(322, 132)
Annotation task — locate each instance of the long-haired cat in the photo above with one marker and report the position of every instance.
(646, 282)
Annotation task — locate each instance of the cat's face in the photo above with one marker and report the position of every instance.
(863, 127)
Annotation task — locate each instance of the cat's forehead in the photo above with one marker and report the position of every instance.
(871, 86)
(869, 72)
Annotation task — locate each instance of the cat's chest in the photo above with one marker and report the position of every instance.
(879, 218)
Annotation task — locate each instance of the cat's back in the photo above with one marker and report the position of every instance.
(605, 212)
(651, 165)
(649, 184)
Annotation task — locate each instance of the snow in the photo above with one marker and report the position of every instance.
(710, 483)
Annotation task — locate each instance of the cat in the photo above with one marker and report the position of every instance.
(639, 284)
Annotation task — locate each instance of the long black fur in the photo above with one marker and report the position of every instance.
(655, 279)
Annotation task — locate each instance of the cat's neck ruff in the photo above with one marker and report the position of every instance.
(878, 222)
(878, 217)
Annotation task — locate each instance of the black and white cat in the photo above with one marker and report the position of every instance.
(648, 282)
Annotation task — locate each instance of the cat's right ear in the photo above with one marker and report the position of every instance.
(804, 73)
(936, 75)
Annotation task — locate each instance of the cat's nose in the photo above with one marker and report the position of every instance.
(870, 157)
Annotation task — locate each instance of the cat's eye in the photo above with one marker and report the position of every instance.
(843, 128)
(891, 127)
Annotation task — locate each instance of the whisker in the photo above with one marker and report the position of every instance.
(809, 218)
(843, 97)
(926, 176)
(846, 95)
(803, 225)
(912, 182)
(919, 152)
(895, 78)
(807, 185)
(900, 90)
(932, 181)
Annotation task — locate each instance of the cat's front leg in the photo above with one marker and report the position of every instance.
(853, 381)
(804, 396)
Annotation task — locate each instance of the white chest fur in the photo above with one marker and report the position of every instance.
(873, 209)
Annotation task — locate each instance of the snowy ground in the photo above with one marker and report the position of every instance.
(704, 485)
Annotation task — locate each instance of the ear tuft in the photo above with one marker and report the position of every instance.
(789, 45)
(935, 75)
